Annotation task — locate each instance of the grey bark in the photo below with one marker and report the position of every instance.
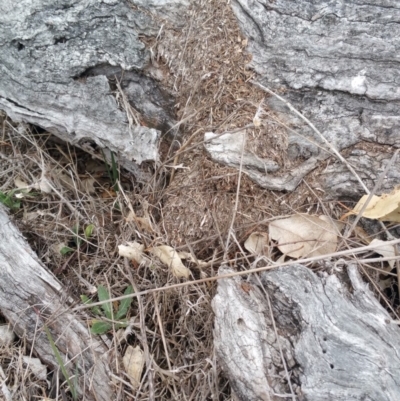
(336, 62)
(337, 341)
(227, 149)
(49, 52)
(31, 298)
(338, 182)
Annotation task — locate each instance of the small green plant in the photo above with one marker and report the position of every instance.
(89, 231)
(100, 326)
(77, 240)
(72, 386)
(65, 250)
(9, 200)
(113, 172)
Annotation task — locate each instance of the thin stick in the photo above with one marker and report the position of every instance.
(312, 126)
(144, 342)
(155, 297)
(243, 273)
(236, 200)
(375, 189)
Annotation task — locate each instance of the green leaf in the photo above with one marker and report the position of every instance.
(99, 327)
(75, 230)
(85, 299)
(104, 296)
(122, 324)
(95, 309)
(89, 231)
(8, 201)
(65, 250)
(61, 363)
(125, 304)
(115, 175)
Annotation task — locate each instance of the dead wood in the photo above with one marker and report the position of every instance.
(333, 61)
(332, 339)
(31, 299)
(55, 64)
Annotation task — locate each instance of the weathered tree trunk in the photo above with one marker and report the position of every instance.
(334, 341)
(32, 299)
(57, 60)
(337, 63)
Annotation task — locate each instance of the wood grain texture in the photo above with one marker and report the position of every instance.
(337, 340)
(31, 298)
(48, 48)
(337, 63)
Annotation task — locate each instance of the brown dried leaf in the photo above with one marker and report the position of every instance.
(133, 251)
(87, 185)
(188, 255)
(21, 184)
(257, 243)
(143, 223)
(384, 208)
(304, 236)
(133, 361)
(170, 257)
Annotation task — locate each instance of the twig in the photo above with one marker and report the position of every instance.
(143, 336)
(346, 252)
(163, 338)
(312, 126)
(128, 109)
(375, 189)
(236, 200)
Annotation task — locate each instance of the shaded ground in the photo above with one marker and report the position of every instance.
(190, 204)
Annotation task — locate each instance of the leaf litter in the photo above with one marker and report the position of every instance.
(188, 214)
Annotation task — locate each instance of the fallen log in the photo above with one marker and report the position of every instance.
(31, 299)
(57, 64)
(334, 62)
(298, 335)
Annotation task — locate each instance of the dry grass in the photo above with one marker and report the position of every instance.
(205, 66)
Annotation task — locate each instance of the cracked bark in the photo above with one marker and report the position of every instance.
(31, 298)
(46, 51)
(337, 63)
(337, 341)
(57, 63)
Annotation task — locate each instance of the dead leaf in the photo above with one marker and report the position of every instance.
(191, 258)
(336, 223)
(142, 222)
(257, 244)
(362, 235)
(384, 208)
(43, 185)
(384, 250)
(133, 361)
(170, 257)
(21, 184)
(87, 185)
(64, 179)
(108, 193)
(133, 251)
(304, 236)
(29, 216)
